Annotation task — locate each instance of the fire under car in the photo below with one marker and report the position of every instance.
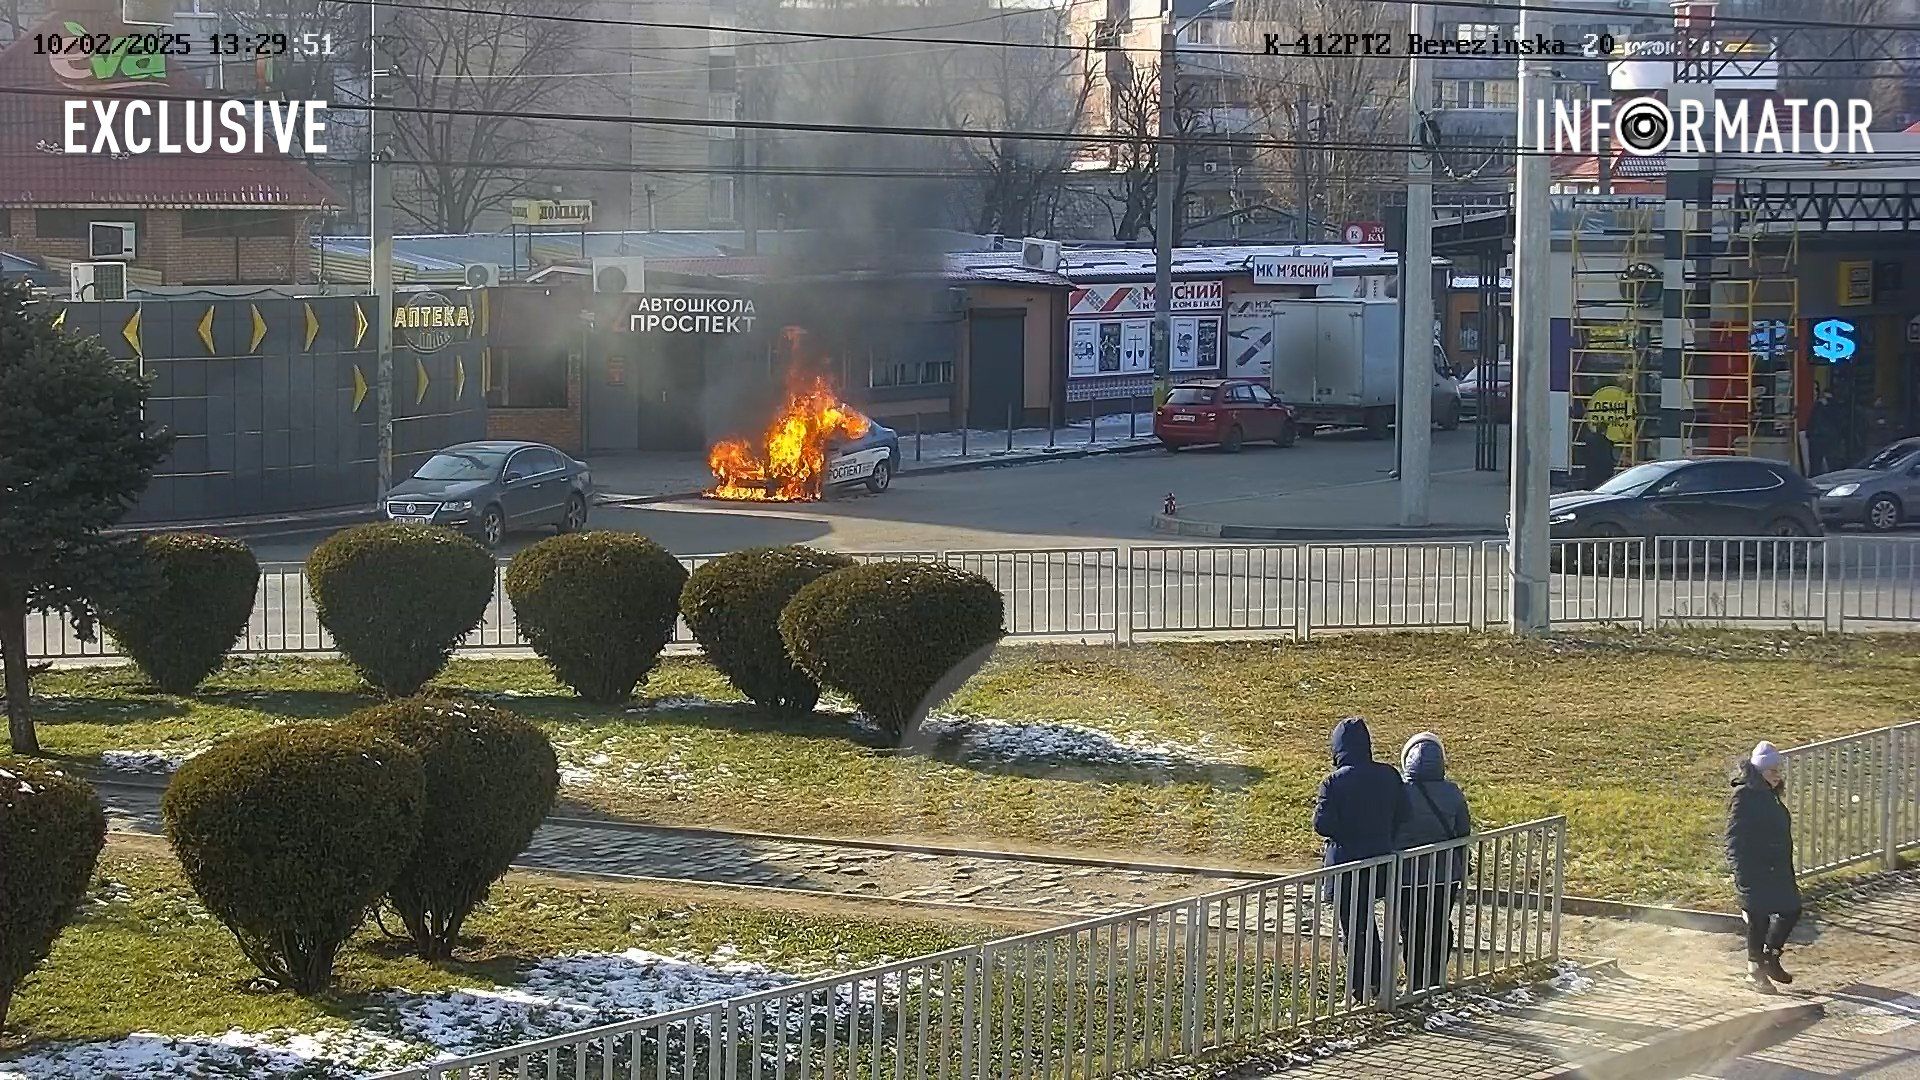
(872, 459)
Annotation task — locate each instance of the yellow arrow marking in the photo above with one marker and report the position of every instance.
(313, 328)
(459, 378)
(359, 388)
(421, 367)
(60, 320)
(206, 329)
(259, 329)
(131, 332)
(359, 324)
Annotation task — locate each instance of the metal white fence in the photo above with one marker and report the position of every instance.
(1831, 583)
(1855, 799)
(1174, 982)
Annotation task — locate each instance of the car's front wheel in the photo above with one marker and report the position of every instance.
(1231, 444)
(882, 476)
(1289, 434)
(1883, 513)
(493, 527)
(575, 517)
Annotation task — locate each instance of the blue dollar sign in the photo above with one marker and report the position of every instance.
(1835, 340)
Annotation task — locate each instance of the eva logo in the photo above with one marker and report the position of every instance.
(117, 66)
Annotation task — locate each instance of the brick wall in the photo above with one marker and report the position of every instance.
(555, 427)
(176, 259)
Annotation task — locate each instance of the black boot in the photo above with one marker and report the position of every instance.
(1771, 964)
(1757, 976)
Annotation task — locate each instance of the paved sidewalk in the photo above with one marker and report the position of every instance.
(669, 473)
(1009, 882)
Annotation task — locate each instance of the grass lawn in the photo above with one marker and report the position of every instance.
(1631, 735)
(144, 957)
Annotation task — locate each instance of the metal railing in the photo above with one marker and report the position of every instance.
(1174, 982)
(1832, 583)
(1854, 799)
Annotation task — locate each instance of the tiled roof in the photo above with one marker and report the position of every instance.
(35, 172)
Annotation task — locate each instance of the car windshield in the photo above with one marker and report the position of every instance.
(1191, 395)
(1888, 457)
(461, 465)
(1635, 480)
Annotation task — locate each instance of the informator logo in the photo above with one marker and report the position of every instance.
(1648, 126)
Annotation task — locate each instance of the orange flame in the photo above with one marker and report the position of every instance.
(793, 465)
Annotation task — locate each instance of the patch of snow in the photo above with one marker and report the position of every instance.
(570, 993)
(144, 761)
(329, 1054)
(980, 738)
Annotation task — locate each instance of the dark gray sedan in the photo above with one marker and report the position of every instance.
(1729, 496)
(489, 489)
(1879, 493)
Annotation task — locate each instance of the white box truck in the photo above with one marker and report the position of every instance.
(1337, 362)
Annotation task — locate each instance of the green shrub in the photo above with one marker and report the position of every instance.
(178, 630)
(51, 832)
(491, 778)
(290, 836)
(399, 598)
(598, 607)
(896, 637)
(733, 605)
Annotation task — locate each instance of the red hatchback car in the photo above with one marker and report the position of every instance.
(1223, 412)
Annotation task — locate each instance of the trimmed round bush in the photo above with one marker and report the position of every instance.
(179, 630)
(733, 605)
(291, 835)
(896, 637)
(490, 779)
(598, 607)
(51, 833)
(398, 599)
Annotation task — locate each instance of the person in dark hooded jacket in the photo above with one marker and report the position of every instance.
(1429, 884)
(1359, 808)
(1760, 850)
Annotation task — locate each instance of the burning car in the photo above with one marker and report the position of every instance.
(871, 459)
(817, 440)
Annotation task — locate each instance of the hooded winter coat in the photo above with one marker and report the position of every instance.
(1361, 804)
(1436, 809)
(1760, 845)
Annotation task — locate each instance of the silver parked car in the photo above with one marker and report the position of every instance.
(1879, 493)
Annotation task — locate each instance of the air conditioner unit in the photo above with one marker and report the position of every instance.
(482, 275)
(1040, 254)
(110, 240)
(620, 274)
(1209, 167)
(98, 280)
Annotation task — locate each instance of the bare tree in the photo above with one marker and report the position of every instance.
(1020, 186)
(1337, 117)
(493, 66)
(1130, 194)
(1853, 56)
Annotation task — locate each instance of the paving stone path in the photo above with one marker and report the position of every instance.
(982, 880)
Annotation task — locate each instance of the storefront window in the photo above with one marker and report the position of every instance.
(527, 378)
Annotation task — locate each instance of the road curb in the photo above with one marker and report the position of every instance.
(1305, 534)
(1723, 1034)
(279, 525)
(963, 465)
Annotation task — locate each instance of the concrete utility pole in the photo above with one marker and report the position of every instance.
(1163, 209)
(749, 193)
(1528, 541)
(1415, 419)
(380, 212)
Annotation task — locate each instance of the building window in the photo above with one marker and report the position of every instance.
(1478, 94)
(720, 199)
(722, 74)
(226, 224)
(723, 107)
(527, 378)
(6, 223)
(72, 224)
(1472, 31)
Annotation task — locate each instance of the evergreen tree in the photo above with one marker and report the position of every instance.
(75, 452)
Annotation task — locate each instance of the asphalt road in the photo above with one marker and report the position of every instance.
(1097, 500)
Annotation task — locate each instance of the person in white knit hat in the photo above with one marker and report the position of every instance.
(1760, 850)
